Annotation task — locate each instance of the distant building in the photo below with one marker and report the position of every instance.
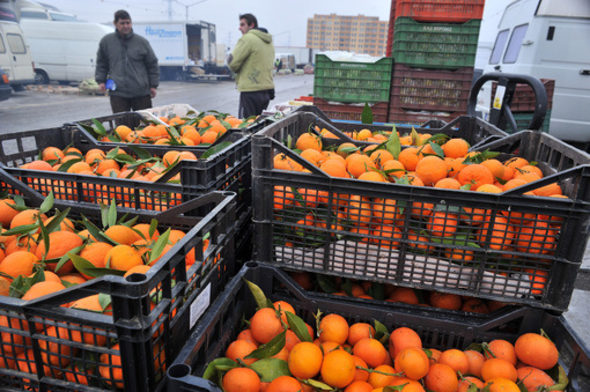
(359, 34)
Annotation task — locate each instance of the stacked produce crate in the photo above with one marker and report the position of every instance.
(434, 49)
(341, 88)
(523, 104)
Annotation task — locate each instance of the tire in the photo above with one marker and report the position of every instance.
(41, 77)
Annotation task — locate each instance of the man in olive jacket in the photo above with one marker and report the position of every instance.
(129, 61)
(253, 60)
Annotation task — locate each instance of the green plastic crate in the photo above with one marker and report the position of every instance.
(349, 81)
(435, 45)
(523, 119)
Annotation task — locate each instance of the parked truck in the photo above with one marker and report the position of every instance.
(185, 50)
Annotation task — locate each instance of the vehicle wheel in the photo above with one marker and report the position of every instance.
(41, 77)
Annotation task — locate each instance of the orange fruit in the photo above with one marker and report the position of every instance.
(359, 386)
(122, 234)
(26, 217)
(380, 157)
(138, 269)
(371, 351)
(455, 148)
(442, 224)
(383, 376)
(41, 289)
(284, 384)
(404, 295)
(96, 254)
(501, 384)
(265, 325)
(60, 243)
(241, 380)
(357, 331)
(496, 367)
(475, 360)
(534, 378)
(73, 278)
(467, 382)
(409, 157)
(333, 328)
(501, 349)
(413, 362)
(238, 349)
(431, 169)
(4, 287)
(18, 263)
(475, 175)
(393, 169)
(122, 258)
(338, 369)
(456, 359)
(441, 378)
(51, 154)
(284, 307)
(536, 350)
(334, 167)
(123, 131)
(110, 369)
(27, 244)
(516, 162)
(305, 360)
(7, 212)
(357, 164)
(402, 338)
(308, 140)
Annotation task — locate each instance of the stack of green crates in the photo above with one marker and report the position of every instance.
(523, 119)
(352, 82)
(435, 45)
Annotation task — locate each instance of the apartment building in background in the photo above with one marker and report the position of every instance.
(359, 34)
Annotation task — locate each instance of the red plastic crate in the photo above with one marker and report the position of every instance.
(401, 116)
(450, 11)
(427, 89)
(353, 112)
(524, 97)
(390, 29)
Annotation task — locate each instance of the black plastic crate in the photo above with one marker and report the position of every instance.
(223, 321)
(427, 238)
(348, 126)
(48, 346)
(228, 169)
(133, 120)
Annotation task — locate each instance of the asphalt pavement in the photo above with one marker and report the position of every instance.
(27, 110)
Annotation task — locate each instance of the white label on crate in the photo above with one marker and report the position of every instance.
(500, 91)
(200, 304)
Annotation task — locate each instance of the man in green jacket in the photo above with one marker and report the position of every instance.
(252, 60)
(130, 65)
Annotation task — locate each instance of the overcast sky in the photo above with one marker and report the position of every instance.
(285, 19)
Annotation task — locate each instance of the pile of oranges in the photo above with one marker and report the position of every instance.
(116, 163)
(176, 131)
(433, 161)
(360, 357)
(74, 255)
(371, 290)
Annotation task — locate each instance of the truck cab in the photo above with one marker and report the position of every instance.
(549, 39)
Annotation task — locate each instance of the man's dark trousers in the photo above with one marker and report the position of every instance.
(252, 103)
(120, 104)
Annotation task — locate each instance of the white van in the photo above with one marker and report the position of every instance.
(550, 39)
(63, 51)
(15, 56)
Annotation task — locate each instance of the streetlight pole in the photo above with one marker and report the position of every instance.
(187, 6)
